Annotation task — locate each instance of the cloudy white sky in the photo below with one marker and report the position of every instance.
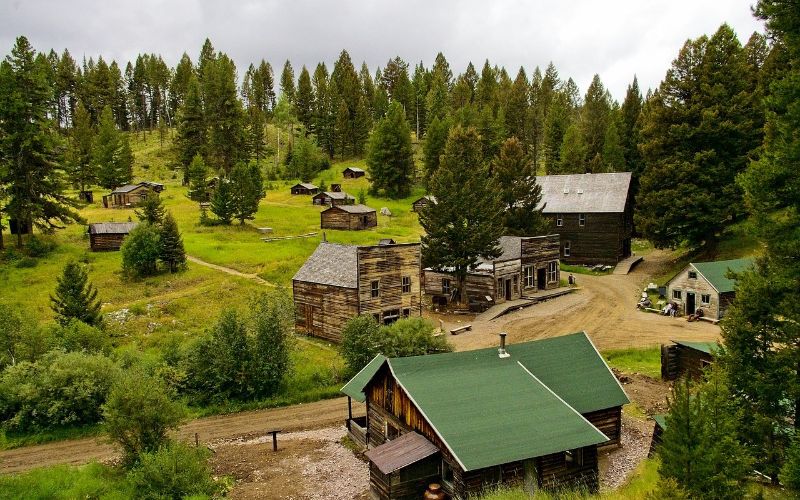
(614, 38)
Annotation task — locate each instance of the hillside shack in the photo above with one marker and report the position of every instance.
(130, 195)
(688, 358)
(336, 188)
(706, 286)
(339, 282)
(593, 213)
(423, 202)
(332, 198)
(532, 413)
(353, 173)
(304, 188)
(108, 236)
(348, 217)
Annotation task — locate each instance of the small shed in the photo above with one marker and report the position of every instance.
(658, 431)
(155, 186)
(353, 173)
(423, 202)
(686, 357)
(333, 198)
(104, 236)
(348, 217)
(131, 195)
(403, 467)
(304, 188)
(706, 286)
(336, 188)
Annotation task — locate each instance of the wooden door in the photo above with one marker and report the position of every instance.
(690, 302)
(541, 278)
(508, 289)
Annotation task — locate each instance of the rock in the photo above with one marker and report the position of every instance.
(385, 211)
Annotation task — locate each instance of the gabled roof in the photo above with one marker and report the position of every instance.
(334, 195)
(401, 452)
(716, 272)
(127, 188)
(306, 185)
(355, 387)
(111, 227)
(331, 264)
(428, 197)
(661, 421)
(353, 169)
(353, 209)
(706, 347)
(585, 193)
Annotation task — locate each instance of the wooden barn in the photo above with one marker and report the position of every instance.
(131, 195)
(304, 188)
(706, 286)
(593, 213)
(348, 217)
(526, 266)
(420, 203)
(108, 235)
(532, 415)
(686, 358)
(339, 282)
(353, 173)
(333, 198)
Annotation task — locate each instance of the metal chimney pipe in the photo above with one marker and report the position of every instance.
(502, 350)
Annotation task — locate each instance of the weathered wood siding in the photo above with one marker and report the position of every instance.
(303, 190)
(604, 239)
(509, 272)
(539, 253)
(408, 483)
(105, 242)
(419, 204)
(478, 285)
(346, 221)
(677, 360)
(555, 472)
(388, 264)
(323, 310)
(699, 286)
(609, 422)
(130, 198)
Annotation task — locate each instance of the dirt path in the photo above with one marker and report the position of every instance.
(228, 270)
(604, 307)
(247, 424)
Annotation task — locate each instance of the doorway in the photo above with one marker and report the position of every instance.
(690, 303)
(508, 289)
(541, 278)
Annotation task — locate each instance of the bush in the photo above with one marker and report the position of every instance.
(360, 342)
(173, 471)
(414, 337)
(26, 263)
(790, 472)
(140, 251)
(77, 336)
(38, 247)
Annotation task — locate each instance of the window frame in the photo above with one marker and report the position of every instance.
(581, 220)
(567, 248)
(447, 286)
(559, 220)
(703, 297)
(692, 275)
(406, 284)
(552, 272)
(677, 294)
(529, 276)
(375, 289)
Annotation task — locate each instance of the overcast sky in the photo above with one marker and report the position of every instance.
(614, 38)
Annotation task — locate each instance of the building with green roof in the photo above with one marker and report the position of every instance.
(709, 286)
(533, 412)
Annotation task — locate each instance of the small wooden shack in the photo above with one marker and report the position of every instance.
(339, 282)
(353, 173)
(105, 236)
(706, 286)
(659, 425)
(683, 357)
(332, 198)
(336, 188)
(420, 203)
(531, 414)
(131, 195)
(304, 188)
(348, 217)
(593, 213)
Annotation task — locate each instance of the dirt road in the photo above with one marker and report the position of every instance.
(248, 424)
(227, 270)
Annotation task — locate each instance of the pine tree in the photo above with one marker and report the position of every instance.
(556, 124)
(362, 124)
(629, 133)
(595, 118)
(516, 110)
(435, 140)
(226, 143)
(222, 203)
(151, 211)
(191, 137)
(287, 82)
(198, 185)
(419, 84)
(466, 221)
(171, 252)
(79, 154)
(230, 358)
(613, 154)
(342, 130)
(572, 157)
(519, 193)
(436, 102)
(304, 104)
(247, 189)
(113, 163)
(323, 119)
(390, 157)
(75, 297)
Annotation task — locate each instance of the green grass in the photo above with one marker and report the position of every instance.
(13, 440)
(569, 268)
(646, 361)
(63, 482)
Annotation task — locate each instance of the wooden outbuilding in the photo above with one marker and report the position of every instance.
(659, 426)
(353, 173)
(531, 414)
(336, 188)
(131, 195)
(348, 217)
(706, 286)
(526, 266)
(104, 236)
(339, 282)
(593, 213)
(688, 358)
(333, 198)
(305, 188)
(420, 203)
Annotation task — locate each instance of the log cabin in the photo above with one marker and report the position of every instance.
(105, 236)
(304, 188)
(131, 195)
(683, 357)
(340, 282)
(593, 213)
(526, 266)
(348, 217)
(706, 286)
(336, 188)
(532, 414)
(332, 198)
(423, 202)
(353, 173)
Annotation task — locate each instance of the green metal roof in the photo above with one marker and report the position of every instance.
(661, 421)
(706, 347)
(355, 387)
(716, 272)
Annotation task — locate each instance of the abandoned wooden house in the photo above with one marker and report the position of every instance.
(686, 358)
(706, 286)
(336, 188)
(304, 188)
(108, 235)
(531, 414)
(353, 173)
(131, 195)
(593, 213)
(526, 266)
(420, 203)
(348, 217)
(339, 282)
(333, 198)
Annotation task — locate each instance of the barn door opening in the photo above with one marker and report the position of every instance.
(508, 289)
(541, 278)
(690, 303)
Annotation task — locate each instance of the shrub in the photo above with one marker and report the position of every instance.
(140, 251)
(360, 342)
(38, 247)
(77, 336)
(173, 471)
(790, 472)
(413, 337)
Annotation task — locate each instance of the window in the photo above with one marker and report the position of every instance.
(391, 432)
(705, 299)
(406, 284)
(677, 294)
(552, 272)
(406, 313)
(581, 220)
(447, 474)
(500, 288)
(391, 316)
(567, 248)
(388, 403)
(559, 220)
(528, 276)
(574, 458)
(516, 283)
(364, 220)
(692, 275)
(376, 317)
(375, 289)
(445, 286)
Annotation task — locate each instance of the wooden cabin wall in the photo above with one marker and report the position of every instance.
(105, 242)
(419, 205)
(691, 361)
(357, 221)
(345, 221)
(539, 253)
(408, 483)
(603, 240)
(510, 270)
(388, 264)
(609, 422)
(554, 472)
(699, 286)
(323, 310)
(478, 285)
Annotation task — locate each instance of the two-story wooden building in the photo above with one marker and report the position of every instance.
(340, 282)
(525, 266)
(706, 286)
(593, 213)
(530, 414)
